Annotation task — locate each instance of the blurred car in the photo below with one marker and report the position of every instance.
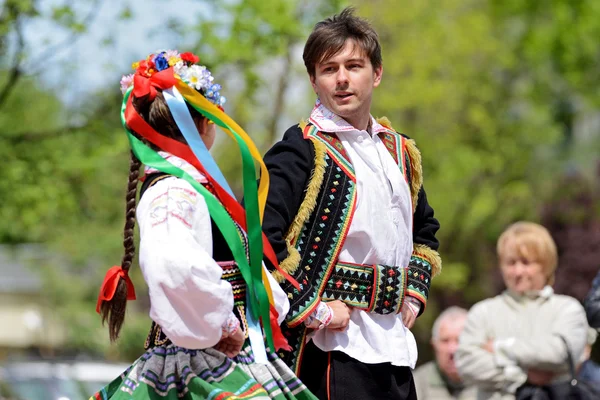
(56, 380)
(94, 375)
(38, 380)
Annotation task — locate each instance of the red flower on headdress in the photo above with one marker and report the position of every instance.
(190, 57)
(146, 68)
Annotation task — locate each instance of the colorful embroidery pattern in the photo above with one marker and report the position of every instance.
(419, 278)
(319, 242)
(172, 372)
(374, 288)
(177, 203)
(335, 148)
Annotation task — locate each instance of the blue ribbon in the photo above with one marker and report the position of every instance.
(186, 125)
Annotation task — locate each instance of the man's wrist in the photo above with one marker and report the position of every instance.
(323, 314)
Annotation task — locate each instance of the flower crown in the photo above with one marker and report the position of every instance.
(184, 65)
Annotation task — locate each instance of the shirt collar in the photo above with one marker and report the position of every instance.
(179, 163)
(327, 121)
(545, 294)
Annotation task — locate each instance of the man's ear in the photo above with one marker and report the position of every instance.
(312, 82)
(378, 73)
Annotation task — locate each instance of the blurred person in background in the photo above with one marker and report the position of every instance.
(588, 370)
(439, 379)
(519, 336)
(592, 303)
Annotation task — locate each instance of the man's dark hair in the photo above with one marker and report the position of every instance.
(330, 35)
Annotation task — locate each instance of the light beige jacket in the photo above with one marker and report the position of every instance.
(527, 334)
(431, 386)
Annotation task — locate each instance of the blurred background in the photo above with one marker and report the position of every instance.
(501, 96)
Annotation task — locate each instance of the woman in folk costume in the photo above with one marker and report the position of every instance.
(215, 309)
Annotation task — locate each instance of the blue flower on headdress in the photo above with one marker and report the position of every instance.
(161, 62)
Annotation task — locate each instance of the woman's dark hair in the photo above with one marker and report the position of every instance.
(156, 113)
(329, 37)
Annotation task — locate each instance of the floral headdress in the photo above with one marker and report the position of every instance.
(184, 66)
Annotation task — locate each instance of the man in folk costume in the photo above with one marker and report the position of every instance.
(348, 218)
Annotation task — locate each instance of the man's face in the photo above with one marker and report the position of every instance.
(446, 344)
(345, 84)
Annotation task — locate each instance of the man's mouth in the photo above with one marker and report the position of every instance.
(343, 95)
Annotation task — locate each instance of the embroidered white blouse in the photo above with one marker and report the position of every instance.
(380, 233)
(188, 298)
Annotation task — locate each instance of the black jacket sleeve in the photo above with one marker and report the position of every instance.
(425, 224)
(592, 303)
(290, 163)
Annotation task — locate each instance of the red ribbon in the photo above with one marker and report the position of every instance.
(143, 85)
(109, 286)
(136, 123)
(279, 341)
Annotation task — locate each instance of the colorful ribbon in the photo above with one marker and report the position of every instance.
(188, 128)
(260, 300)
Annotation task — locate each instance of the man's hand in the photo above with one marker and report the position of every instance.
(341, 316)
(489, 346)
(408, 315)
(231, 344)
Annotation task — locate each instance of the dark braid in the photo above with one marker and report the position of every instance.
(114, 310)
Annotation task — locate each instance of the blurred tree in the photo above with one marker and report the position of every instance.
(572, 215)
(487, 89)
(478, 85)
(55, 186)
(15, 15)
(257, 45)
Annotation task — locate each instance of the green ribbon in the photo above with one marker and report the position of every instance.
(251, 272)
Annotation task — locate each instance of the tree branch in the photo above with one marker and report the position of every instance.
(15, 70)
(69, 41)
(17, 138)
(282, 86)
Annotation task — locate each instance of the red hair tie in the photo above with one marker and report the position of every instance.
(109, 286)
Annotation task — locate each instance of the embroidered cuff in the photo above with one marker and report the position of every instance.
(419, 279)
(323, 313)
(231, 325)
(373, 288)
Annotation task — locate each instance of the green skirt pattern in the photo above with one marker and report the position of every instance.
(172, 372)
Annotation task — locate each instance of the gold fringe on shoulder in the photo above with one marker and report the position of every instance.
(416, 170)
(384, 121)
(303, 124)
(430, 255)
(292, 261)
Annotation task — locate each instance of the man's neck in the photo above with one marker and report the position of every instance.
(364, 124)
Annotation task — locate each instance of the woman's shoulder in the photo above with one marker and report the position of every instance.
(567, 301)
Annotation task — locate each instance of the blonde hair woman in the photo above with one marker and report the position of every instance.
(517, 336)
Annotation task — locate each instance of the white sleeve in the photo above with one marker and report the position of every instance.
(188, 298)
(282, 304)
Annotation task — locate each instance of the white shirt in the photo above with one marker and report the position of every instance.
(188, 298)
(380, 233)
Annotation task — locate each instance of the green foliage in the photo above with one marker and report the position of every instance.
(490, 90)
(482, 88)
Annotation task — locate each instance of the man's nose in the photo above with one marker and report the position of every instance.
(342, 76)
(519, 267)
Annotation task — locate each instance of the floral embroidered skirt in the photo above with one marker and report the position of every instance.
(172, 372)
